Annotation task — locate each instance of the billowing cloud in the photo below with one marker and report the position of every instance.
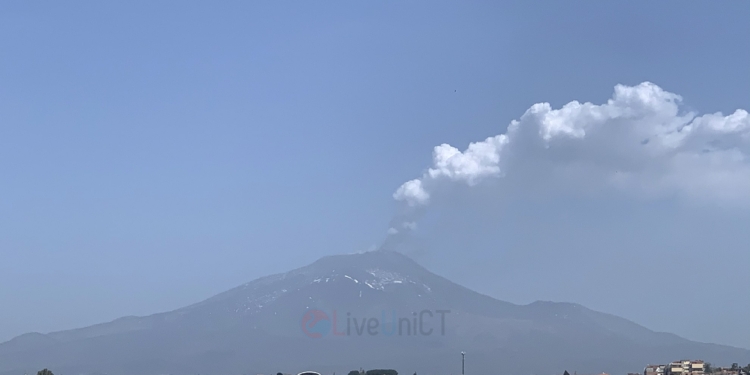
(412, 192)
(641, 141)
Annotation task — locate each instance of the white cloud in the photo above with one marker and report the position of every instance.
(641, 142)
(413, 193)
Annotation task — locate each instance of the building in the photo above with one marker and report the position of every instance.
(678, 368)
(655, 370)
(697, 367)
(686, 367)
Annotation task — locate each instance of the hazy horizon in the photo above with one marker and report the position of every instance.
(153, 156)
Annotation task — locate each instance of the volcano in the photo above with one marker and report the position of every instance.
(345, 312)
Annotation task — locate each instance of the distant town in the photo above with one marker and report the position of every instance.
(694, 367)
(683, 367)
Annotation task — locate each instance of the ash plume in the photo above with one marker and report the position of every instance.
(642, 142)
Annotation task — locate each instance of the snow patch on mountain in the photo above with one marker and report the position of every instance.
(385, 277)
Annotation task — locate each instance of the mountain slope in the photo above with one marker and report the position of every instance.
(372, 299)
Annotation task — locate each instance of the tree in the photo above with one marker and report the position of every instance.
(735, 366)
(45, 372)
(707, 368)
(354, 372)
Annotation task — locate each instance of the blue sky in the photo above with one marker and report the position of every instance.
(154, 154)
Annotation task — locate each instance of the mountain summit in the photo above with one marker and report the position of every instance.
(371, 310)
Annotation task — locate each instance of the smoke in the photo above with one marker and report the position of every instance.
(641, 142)
(400, 231)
